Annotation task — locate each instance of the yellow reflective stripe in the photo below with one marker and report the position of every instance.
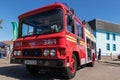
(89, 35)
(72, 39)
(82, 43)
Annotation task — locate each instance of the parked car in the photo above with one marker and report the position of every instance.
(118, 56)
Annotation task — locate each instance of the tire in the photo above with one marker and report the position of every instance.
(71, 70)
(32, 69)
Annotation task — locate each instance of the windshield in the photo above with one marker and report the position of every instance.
(43, 23)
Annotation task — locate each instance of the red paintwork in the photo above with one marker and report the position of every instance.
(42, 9)
(61, 43)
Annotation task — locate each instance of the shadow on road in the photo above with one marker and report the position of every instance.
(109, 63)
(19, 72)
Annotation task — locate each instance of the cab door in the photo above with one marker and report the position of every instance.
(81, 41)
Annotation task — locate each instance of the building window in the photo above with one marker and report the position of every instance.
(108, 46)
(114, 37)
(114, 47)
(108, 36)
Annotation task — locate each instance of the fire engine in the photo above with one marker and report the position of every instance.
(53, 37)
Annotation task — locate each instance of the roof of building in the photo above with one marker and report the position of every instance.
(104, 25)
(8, 42)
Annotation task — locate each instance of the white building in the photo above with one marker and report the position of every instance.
(107, 36)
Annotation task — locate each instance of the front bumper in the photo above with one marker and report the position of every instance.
(39, 62)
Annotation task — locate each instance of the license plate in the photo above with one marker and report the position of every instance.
(31, 62)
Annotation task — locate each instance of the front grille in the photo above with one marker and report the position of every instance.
(32, 53)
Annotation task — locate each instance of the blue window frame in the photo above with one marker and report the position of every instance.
(114, 47)
(114, 37)
(108, 46)
(108, 36)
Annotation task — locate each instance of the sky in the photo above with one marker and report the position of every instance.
(107, 10)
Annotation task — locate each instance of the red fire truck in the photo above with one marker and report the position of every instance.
(52, 37)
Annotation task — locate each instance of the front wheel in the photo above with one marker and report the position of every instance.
(71, 70)
(32, 68)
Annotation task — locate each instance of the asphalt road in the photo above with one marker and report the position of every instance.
(100, 71)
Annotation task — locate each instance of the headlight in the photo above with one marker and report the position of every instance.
(52, 52)
(17, 53)
(46, 52)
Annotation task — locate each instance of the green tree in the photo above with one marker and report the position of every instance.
(1, 23)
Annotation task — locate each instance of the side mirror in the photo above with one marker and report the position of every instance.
(70, 20)
(72, 10)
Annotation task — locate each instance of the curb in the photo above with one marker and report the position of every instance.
(111, 62)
